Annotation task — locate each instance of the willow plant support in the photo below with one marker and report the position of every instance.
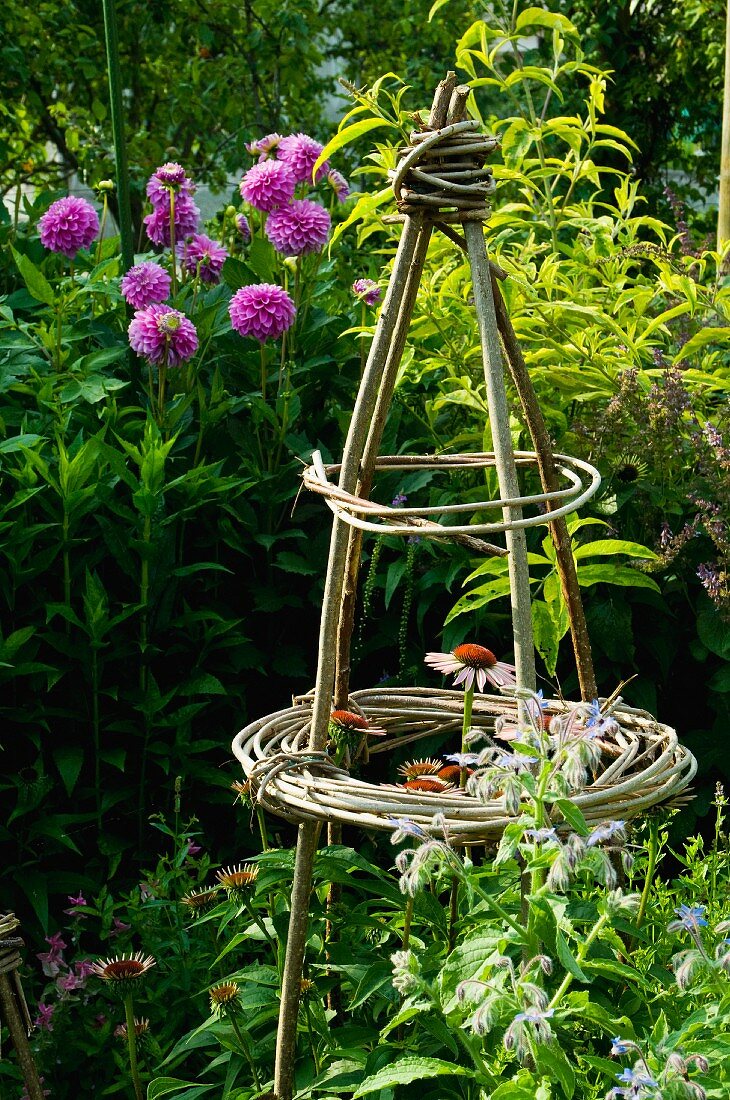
(13, 1009)
(117, 116)
(441, 182)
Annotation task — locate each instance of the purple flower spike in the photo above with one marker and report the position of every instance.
(267, 185)
(69, 225)
(264, 311)
(367, 290)
(186, 221)
(144, 284)
(162, 334)
(298, 228)
(205, 257)
(300, 153)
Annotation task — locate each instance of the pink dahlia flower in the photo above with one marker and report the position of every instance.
(144, 284)
(268, 184)
(169, 177)
(367, 290)
(204, 257)
(264, 311)
(243, 227)
(300, 152)
(163, 335)
(300, 227)
(186, 221)
(473, 662)
(68, 225)
(339, 184)
(263, 146)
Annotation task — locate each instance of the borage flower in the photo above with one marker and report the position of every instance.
(68, 225)
(300, 152)
(145, 284)
(690, 918)
(298, 228)
(264, 311)
(163, 335)
(123, 973)
(267, 185)
(607, 830)
(473, 663)
(204, 257)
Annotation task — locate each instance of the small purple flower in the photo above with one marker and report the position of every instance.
(403, 827)
(243, 227)
(709, 575)
(542, 836)
(144, 284)
(689, 917)
(462, 759)
(170, 177)
(84, 968)
(194, 848)
(69, 982)
(69, 225)
(162, 334)
(204, 257)
(339, 184)
(637, 1078)
(299, 227)
(186, 221)
(621, 1046)
(119, 927)
(44, 1019)
(607, 830)
(300, 153)
(268, 184)
(264, 311)
(533, 1016)
(263, 146)
(367, 290)
(399, 500)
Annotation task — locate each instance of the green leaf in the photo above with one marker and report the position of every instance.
(615, 574)
(697, 342)
(713, 633)
(34, 279)
(343, 137)
(236, 273)
(553, 1063)
(572, 815)
(68, 761)
(568, 959)
(407, 1070)
(436, 7)
(614, 546)
(545, 634)
(163, 1086)
(479, 597)
(538, 17)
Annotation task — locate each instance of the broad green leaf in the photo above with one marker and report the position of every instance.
(479, 597)
(436, 7)
(538, 17)
(545, 634)
(700, 340)
(552, 1061)
(566, 957)
(165, 1086)
(34, 279)
(344, 137)
(572, 815)
(614, 546)
(407, 1070)
(714, 633)
(615, 574)
(69, 759)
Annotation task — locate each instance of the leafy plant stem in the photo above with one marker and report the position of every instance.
(132, 1047)
(173, 256)
(407, 918)
(246, 1050)
(580, 956)
(102, 227)
(310, 1033)
(260, 925)
(653, 851)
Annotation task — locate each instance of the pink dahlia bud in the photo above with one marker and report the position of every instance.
(186, 221)
(68, 225)
(300, 227)
(144, 284)
(300, 153)
(264, 311)
(367, 290)
(169, 177)
(205, 257)
(269, 184)
(339, 184)
(263, 146)
(243, 227)
(163, 335)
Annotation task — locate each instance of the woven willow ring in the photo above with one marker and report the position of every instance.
(400, 521)
(641, 766)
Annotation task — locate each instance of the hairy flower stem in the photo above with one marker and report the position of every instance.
(653, 852)
(407, 918)
(453, 912)
(132, 1047)
(260, 925)
(498, 909)
(580, 957)
(245, 1050)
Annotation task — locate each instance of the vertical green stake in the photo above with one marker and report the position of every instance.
(120, 150)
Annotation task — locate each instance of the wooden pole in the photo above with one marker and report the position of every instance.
(117, 118)
(723, 213)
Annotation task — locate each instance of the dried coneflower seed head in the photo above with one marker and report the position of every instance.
(198, 900)
(124, 972)
(242, 877)
(451, 773)
(224, 997)
(427, 784)
(412, 769)
(475, 656)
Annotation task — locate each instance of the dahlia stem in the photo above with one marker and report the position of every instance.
(117, 118)
(363, 318)
(132, 1047)
(173, 256)
(104, 213)
(263, 372)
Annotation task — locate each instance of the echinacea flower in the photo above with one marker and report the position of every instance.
(223, 997)
(145, 284)
(186, 221)
(68, 225)
(414, 769)
(163, 335)
(473, 663)
(141, 1027)
(263, 310)
(268, 184)
(204, 257)
(357, 723)
(300, 152)
(170, 177)
(263, 146)
(299, 227)
(339, 184)
(123, 973)
(367, 290)
(237, 880)
(198, 900)
(429, 783)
